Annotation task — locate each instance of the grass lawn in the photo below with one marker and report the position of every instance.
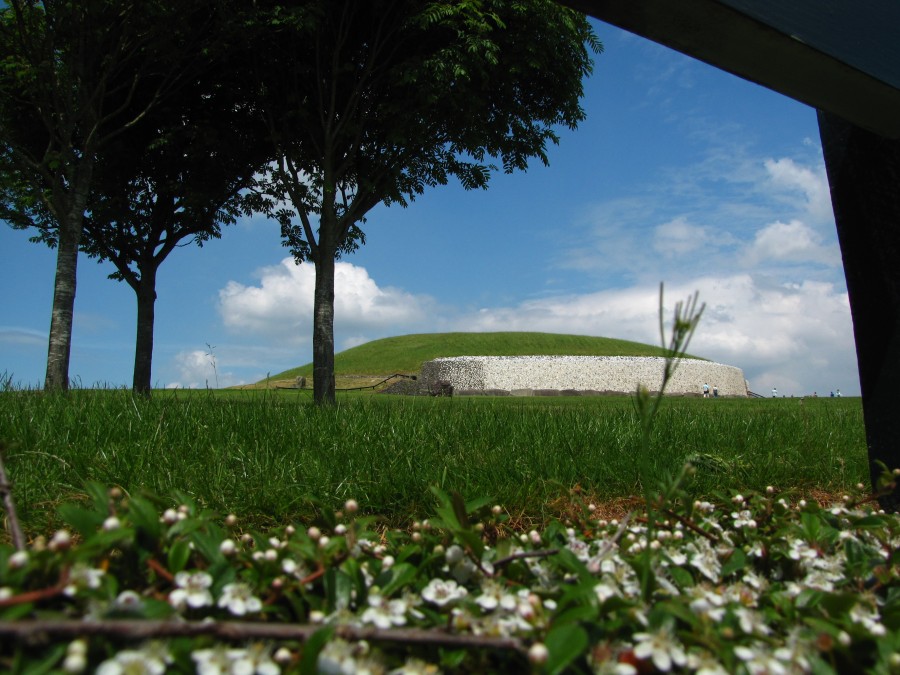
(271, 454)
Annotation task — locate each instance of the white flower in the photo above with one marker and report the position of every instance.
(704, 663)
(128, 601)
(60, 541)
(83, 577)
(384, 613)
(704, 559)
(414, 666)
(17, 560)
(662, 647)
(868, 618)
(759, 662)
(255, 660)
(752, 623)
(339, 657)
(112, 523)
(149, 660)
(744, 519)
(76, 657)
(214, 661)
(442, 592)
(494, 595)
(193, 590)
(239, 599)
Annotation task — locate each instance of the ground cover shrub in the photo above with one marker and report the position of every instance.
(754, 584)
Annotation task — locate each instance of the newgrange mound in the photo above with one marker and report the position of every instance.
(516, 363)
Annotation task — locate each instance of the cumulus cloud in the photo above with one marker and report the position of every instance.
(797, 337)
(282, 304)
(196, 369)
(786, 175)
(793, 242)
(678, 237)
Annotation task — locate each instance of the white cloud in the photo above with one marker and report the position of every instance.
(679, 237)
(196, 369)
(786, 175)
(14, 335)
(282, 304)
(793, 242)
(797, 337)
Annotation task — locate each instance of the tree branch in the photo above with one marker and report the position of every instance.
(243, 630)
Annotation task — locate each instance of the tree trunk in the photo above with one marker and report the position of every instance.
(323, 329)
(60, 343)
(864, 177)
(143, 344)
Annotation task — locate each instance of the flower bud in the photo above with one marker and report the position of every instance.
(538, 654)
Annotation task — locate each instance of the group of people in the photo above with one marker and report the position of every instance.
(815, 393)
(706, 391)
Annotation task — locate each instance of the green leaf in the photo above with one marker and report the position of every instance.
(178, 555)
(445, 509)
(869, 522)
(682, 577)
(83, 521)
(337, 589)
(46, 664)
(565, 644)
(576, 614)
(838, 604)
(145, 518)
(402, 574)
(207, 543)
(451, 659)
(311, 649)
(737, 561)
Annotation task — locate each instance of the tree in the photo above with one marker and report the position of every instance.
(74, 75)
(373, 102)
(187, 172)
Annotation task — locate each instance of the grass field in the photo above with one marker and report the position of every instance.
(268, 454)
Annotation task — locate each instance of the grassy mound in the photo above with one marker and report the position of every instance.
(406, 353)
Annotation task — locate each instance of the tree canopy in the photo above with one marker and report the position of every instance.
(375, 102)
(75, 75)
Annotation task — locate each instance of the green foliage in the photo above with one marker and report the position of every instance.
(747, 582)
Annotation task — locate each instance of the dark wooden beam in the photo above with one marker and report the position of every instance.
(864, 178)
(841, 56)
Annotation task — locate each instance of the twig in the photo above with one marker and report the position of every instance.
(242, 630)
(545, 553)
(158, 567)
(691, 526)
(15, 528)
(40, 594)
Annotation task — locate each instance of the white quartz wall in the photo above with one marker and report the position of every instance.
(581, 373)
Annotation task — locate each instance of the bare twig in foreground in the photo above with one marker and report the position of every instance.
(15, 528)
(240, 630)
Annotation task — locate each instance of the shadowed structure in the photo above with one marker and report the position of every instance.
(841, 57)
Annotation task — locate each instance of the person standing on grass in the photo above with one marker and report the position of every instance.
(715, 391)
(774, 392)
(705, 390)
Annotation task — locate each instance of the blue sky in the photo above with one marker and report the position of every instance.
(681, 173)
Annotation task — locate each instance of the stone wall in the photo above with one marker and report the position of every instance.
(528, 375)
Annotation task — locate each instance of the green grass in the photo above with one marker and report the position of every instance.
(405, 354)
(268, 455)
